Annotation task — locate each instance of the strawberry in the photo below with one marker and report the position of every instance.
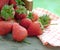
(16, 2)
(19, 33)
(5, 27)
(8, 12)
(20, 16)
(33, 16)
(20, 13)
(25, 22)
(1, 19)
(16, 7)
(3, 2)
(12, 2)
(34, 29)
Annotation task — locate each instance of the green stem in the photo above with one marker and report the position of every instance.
(26, 42)
(41, 25)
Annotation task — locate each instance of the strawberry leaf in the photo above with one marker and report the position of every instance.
(19, 2)
(21, 10)
(30, 15)
(45, 20)
(7, 12)
(26, 42)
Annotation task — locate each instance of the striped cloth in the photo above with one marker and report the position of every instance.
(51, 34)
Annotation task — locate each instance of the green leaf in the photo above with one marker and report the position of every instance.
(45, 19)
(26, 42)
(7, 12)
(21, 10)
(30, 16)
(19, 2)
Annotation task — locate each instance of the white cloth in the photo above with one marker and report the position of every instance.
(51, 34)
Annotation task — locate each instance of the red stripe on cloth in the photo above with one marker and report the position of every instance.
(52, 33)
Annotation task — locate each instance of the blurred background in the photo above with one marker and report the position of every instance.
(51, 5)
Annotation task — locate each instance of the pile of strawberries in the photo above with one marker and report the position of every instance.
(14, 18)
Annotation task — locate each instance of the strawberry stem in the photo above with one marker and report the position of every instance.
(54, 24)
(26, 42)
(42, 26)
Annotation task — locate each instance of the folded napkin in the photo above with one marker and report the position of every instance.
(51, 34)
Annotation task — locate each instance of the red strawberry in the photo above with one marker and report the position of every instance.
(16, 7)
(19, 33)
(20, 13)
(33, 16)
(8, 12)
(16, 2)
(1, 19)
(3, 2)
(34, 29)
(25, 22)
(20, 16)
(5, 27)
(12, 2)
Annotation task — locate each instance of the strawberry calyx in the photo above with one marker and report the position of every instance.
(7, 12)
(21, 10)
(30, 15)
(44, 20)
(19, 2)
